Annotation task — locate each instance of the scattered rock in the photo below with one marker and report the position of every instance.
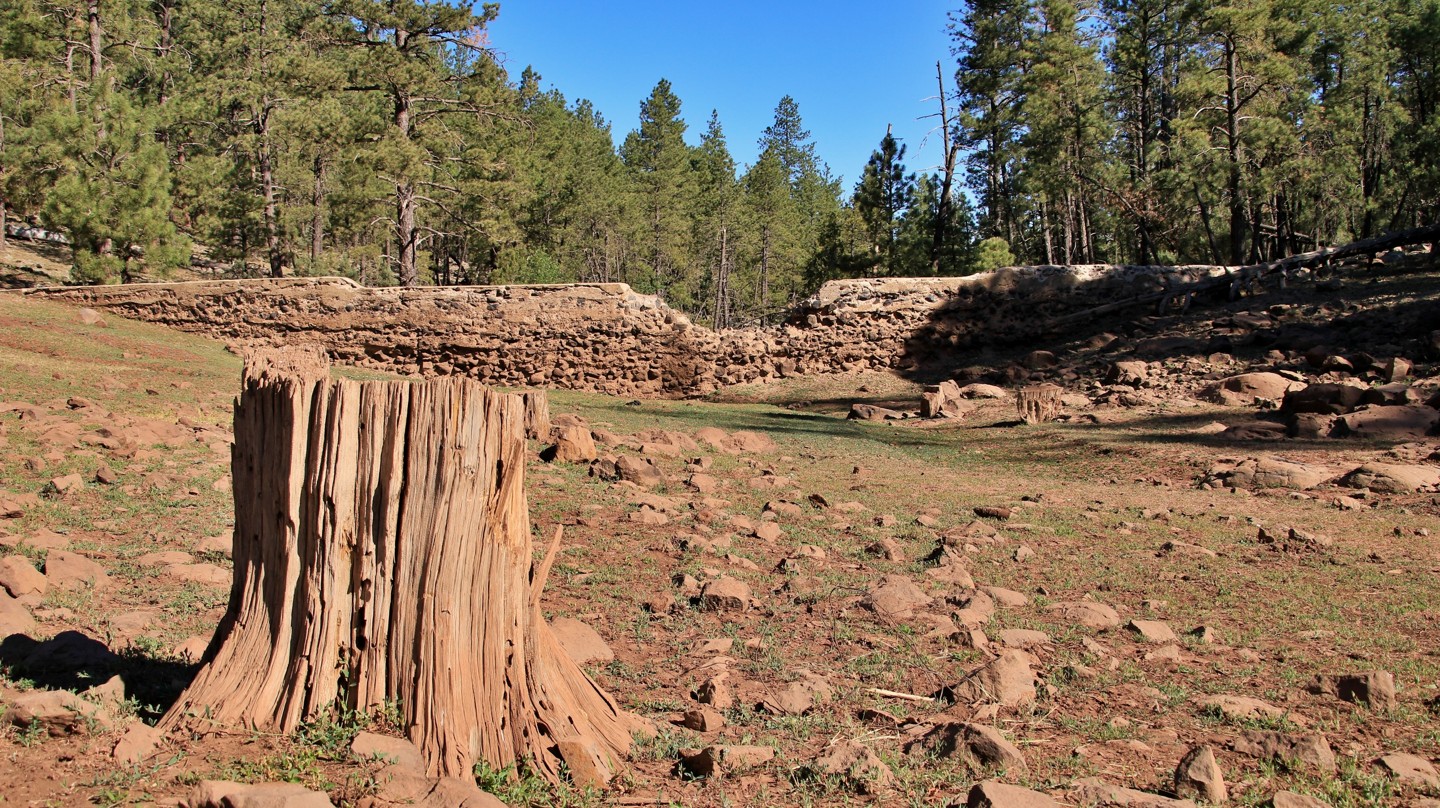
(895, 597)
(1240, 708)
(20, 578)
(725, 594)
(14, 617)
(573, 444)
(1399, 422)
(1006, 680)
(870, 412)
(1152, 631)
(138, 743)
(1310, 749)
(200, 573)
(1198, 776)
(1249, 388)
(1095, 792)
(856, 766)
(995, 794)
(1375, 688)
(1411, 770)
(581, 642)
(67, 570)
(1087, 613)
(984, 743)
(705, 719)
(225, 794)
(1326, 399)
(59, 712)
(587, 765)
(1289, 799)
(727, 758)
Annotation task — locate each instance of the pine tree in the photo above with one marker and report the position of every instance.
(882, 195)
(715, 219)
(659, 165)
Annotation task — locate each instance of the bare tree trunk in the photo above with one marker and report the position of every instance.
(317, 213)
(947, 180)
(383, 555)
(97, 58)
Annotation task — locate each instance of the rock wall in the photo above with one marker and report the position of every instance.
(607, 338)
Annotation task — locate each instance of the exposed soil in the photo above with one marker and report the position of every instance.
(1108, 505)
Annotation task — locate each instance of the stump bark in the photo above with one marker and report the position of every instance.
(383, 554)
(1038, 403)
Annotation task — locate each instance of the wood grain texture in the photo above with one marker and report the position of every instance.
(383, 554)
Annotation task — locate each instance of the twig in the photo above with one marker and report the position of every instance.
(892, 694)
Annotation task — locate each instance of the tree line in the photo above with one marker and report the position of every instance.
(381, 139)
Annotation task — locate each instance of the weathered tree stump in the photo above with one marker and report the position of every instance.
(537, 414)
(383, 554)
(1038, 403)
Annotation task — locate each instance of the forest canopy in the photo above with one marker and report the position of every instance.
(383, 141)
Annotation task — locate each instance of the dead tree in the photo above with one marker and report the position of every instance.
(383, 555)
(537, 414)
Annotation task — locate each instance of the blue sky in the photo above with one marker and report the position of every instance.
(853, 67)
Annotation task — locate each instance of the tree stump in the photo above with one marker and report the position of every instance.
(537, 414)
(383, 555)
(1038, 403)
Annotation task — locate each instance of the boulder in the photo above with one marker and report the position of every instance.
(58, 712)
(982, 742)
(580, 641)
(941, 401)
(1326, 399)
(1094, 792)
(725, 594)
(1411, 770)
(1152, 631)
(14, 617)
(1131, 373)
(138, 743)
(870, 412)
(1269, 472)
(573, 444)
(1249, 388)
(726, 758)
(225, 794)
(1380, 422)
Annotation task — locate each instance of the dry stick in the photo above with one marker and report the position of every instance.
(892, 694)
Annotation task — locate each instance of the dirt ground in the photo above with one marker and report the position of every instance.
(1105, 506)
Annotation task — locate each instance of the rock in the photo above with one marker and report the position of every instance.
(1289, 799)
(573, 444)
(138, 743)
(1184, 548)
(1395, 369)
(870, 412)
(14, 617)
(192, 649)
(1411, 770)
(1310, 749)
(941, 401)
(1198, 776)
(856, 766)
(222, 545)
(1006, 680)
(20, 578)
(588, 767)
(984, 743)
(768, 531)
(1375, 688)
(1412, 421)
(798, 697)
(998, 512)
(727, 758)
(163, 558)
(888, 549)
(67, 484)
(89, 316)
(715, 692)
(639, 471)
(1152, 631)
(648, 516)
(725, 594)
(373, 746)
(1087, 613)
(705, 719)
(1326, 399)
(224, 794)
(403, 786)
(1239, 708)
(210, 574)
(895, 597)
(67, 570)
(1249, 388)
(1006, 597)
(581, 642)
(1131, 373)
(1023, 638)
(995, 794)
(1388, 478)
(1290, 540)
(1094, 792)
(1270, 472)
(979, 390)
(58, 712)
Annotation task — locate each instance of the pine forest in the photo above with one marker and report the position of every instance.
(385, 142)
